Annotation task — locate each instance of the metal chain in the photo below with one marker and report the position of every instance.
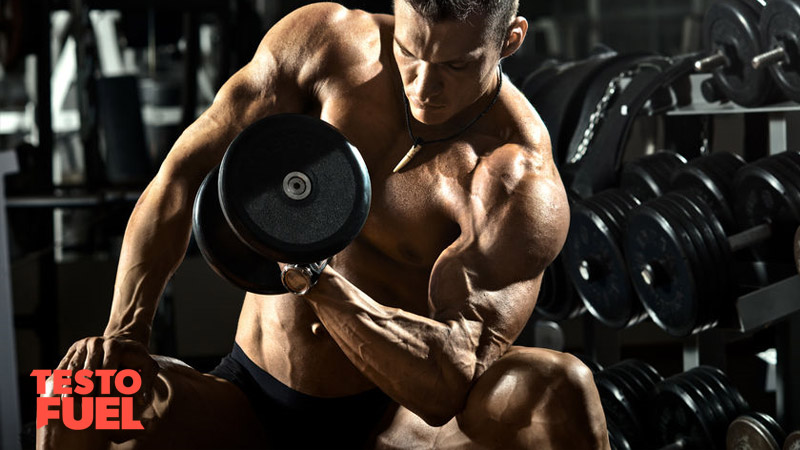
(597, 116)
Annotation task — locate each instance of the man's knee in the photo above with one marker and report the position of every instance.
(537, 397)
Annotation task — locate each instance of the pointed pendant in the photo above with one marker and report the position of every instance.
(409, 156)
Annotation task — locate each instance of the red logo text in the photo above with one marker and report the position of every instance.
(106, 412)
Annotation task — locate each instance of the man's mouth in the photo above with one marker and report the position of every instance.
(424, 105)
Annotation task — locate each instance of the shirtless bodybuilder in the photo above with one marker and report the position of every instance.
(405, 342)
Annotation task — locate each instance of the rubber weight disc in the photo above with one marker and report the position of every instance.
(222, 249)
(294, 189)
(731, 26)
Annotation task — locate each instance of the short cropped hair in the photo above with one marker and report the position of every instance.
(497, 13)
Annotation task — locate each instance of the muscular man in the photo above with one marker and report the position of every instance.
(405, 342)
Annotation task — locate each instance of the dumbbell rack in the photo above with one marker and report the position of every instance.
(775, 305)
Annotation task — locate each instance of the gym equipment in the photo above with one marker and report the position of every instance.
(755, 431)
(679, 255)
(654, 84)
(696, 408)
(290, 188)
(592, 254)
(625, 389)
(768, 190)
(780, 33)
(594, 261)
(712, 177)
(649, 177)
(558, 300)
(731, 38)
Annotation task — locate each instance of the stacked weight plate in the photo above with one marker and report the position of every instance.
(696, 407)
(769, 189)
(674, 250)
(594, 261)
(625, 391)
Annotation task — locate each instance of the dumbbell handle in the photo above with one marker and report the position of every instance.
(774, 56)
(653, 272)
(711, 62)
(749, 237)
(300, 278)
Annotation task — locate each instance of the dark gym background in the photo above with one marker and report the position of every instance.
(78, 180)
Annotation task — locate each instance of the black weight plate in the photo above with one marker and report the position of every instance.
(642, 391)
(730, 27)
(717, 278)
(605, 207)
(617, 408)
(648, 177)
(779, 26)
(762, 196)
(675, 415)
(698, 179)
(697, 258)
(671, 300)
(712, 175)
(783, 169)
(704, 412)
(647, 375)
(717, 243)
(720, 391)
(222, 249)
(558, 300)
(616, 439)
(732, 393)
(746, 433)
(607, 294)
(712, 402)
(251, 184)
(770, 424)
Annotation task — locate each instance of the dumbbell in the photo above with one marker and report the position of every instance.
(290, 188)
(679, 254)
(780, 33)
(732, 39)
(695, 409)
(558, 300)
(755, 431)
(768, 190)
(592, 254)
(625, 389)
(712, 178)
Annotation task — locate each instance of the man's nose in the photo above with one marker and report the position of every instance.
(428, 84)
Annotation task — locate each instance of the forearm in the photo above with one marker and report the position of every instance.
(155, 242)
(159, 228)
(425, 365)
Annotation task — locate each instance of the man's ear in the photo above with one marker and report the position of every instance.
(515, 35)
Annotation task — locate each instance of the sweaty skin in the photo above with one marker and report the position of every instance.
(446, 271)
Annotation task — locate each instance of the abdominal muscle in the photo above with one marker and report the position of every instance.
(283, 336)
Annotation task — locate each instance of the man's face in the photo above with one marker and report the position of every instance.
(445, 66)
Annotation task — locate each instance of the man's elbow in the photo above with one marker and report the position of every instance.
(445, 406)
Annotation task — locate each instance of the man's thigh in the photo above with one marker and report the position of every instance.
(188, 410)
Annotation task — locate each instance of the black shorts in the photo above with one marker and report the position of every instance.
(293, 420)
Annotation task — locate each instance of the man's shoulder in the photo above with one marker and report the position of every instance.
(331, 23)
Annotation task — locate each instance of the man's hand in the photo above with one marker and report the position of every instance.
(112, 353)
